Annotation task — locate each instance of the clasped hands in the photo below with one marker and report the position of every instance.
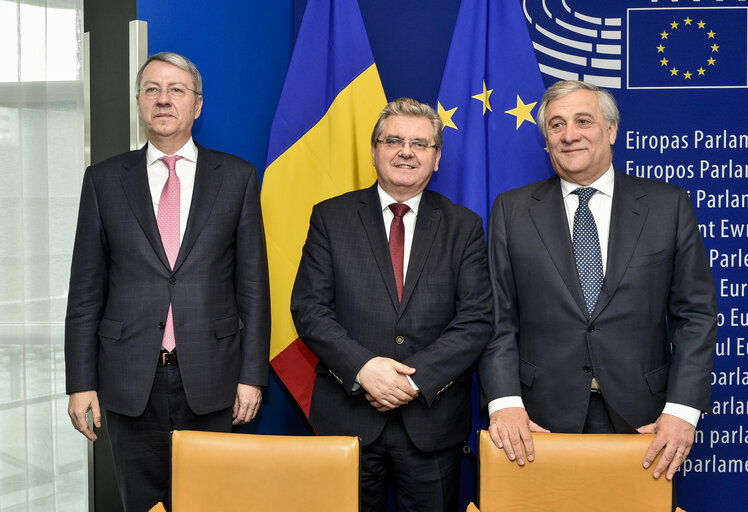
(386, 383)
(511, 430)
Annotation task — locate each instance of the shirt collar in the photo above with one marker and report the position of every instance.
(385, 200)
(188, 152)
(603, 184)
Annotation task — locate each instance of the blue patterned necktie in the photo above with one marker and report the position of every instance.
(587, 249)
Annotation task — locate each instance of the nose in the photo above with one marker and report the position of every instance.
(406, 149)
(570, 133)
(163, 97)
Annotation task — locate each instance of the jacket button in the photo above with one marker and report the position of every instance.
(400, 340)
(591, 328)
(587, 368)
(161, 325)
(173, 280)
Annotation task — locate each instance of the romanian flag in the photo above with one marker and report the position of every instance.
(319, 148)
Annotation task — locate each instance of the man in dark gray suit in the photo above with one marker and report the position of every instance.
(392, 295)
(168, 317)
(605, 307)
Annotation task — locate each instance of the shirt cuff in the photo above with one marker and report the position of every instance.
(412, 383)
(504, 402)
(683, 412)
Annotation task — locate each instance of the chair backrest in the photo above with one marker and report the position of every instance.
(225, 472)
(571, 472)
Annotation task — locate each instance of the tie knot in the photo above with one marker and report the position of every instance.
(399, 209)
(171, 162)
(584, 194)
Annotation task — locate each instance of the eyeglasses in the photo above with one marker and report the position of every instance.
(418, 145)
(175, 93)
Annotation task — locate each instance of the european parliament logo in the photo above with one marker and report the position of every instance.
(653, 47)
(687, 47)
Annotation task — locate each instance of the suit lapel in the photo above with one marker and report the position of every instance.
(427, 223)
(135, 184)
(626, 221)
(549, 216)
(207, 183)
(370, 214)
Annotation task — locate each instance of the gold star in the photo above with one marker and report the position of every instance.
(674, 25)
(687, 21)
(711, 61)
(701, 71)
(484, 97)
(711, 34)
(664, 62)
(446, 116)
(715, 48)
(687, 75)
(674, 72)
(522, 112)
(701, 24)
(664, 34)
(660, 49)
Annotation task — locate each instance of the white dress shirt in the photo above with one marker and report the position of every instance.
(158, 173)
(409, 222)
(601, 206)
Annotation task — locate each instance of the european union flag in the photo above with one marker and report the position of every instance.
(488, 101)
(687, 48)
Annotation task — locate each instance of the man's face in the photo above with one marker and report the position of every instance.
(168, 119)
(403, 172)
(578, 141)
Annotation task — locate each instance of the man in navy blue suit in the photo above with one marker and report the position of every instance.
(604, 302)
(168, 318)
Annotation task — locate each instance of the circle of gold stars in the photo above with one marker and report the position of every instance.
(673, 27)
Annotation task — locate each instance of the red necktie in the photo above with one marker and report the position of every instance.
(397, 244)
(168, 225)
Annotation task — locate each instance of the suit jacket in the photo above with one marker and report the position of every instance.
(346, 310)
(121, 286)
(658, 290)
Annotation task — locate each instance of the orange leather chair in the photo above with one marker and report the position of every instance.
(232, 472)
(572, 472)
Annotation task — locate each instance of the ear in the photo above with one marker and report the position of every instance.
(613, 132)
(198, 105)
(438, 157)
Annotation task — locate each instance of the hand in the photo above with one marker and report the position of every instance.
(378, 405)
(79, 404)
(386, 384)
(673, 438)
(246, 404)
(510, 430)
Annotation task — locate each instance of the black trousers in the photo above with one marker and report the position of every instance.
(142, 445)
(598, 420)
(422, 481)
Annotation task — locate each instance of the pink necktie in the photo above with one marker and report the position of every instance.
(168, 225)
(397, 244)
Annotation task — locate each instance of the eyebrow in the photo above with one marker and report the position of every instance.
(170, 84)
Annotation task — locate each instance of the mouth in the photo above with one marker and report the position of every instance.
(573, 150)
(404, 166)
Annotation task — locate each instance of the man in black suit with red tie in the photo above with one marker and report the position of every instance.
(168, 316)
(392, 295)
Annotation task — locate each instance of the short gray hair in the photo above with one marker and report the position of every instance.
(560, 89)
(413, 108)
(174, 59)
